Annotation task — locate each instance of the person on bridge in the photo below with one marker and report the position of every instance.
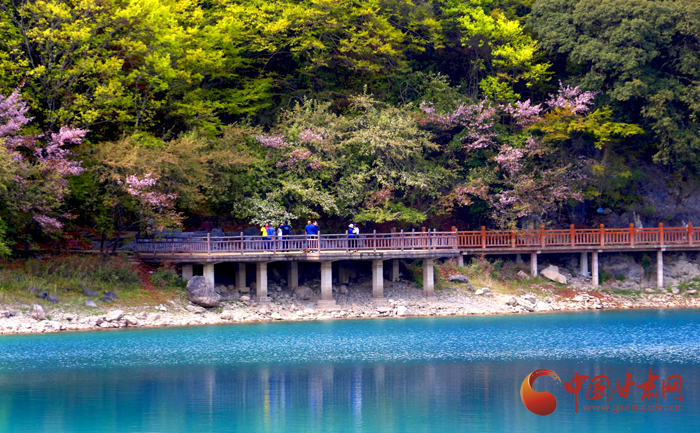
(310, 234)
(356, 232)
(286, 228)
(270, 231)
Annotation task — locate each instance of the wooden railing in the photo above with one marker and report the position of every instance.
(366, 242)
(602, 237)
(427, 240)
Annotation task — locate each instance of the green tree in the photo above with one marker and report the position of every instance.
(645, 57)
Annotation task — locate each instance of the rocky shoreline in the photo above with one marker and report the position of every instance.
(403, 299)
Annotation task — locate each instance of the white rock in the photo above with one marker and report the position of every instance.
(153, 317)
(276, 316)
(401, 310)
(131, 321)
(551, 272)
(196, 309)
(114, 316)
(245, 298)
(227, 315)
(37, 312)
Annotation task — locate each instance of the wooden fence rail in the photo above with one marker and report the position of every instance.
(602, 237)
(427, 240)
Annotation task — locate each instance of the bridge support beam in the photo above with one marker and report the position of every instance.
(533, 264)
(326, 300)
(209, 273)
(395, 269)
(378, 282)
(660, 269)
(594, 268)
(240, 277)
(261, 283)
(187, 271)
(293, 275)
(584, 264)
(428, 280)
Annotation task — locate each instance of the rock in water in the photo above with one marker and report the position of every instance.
(304, 292)
(90, 292)
(458, 279)
(52, 299)
(551, 272)
(37, 312)
(90, 303)
(201, 292)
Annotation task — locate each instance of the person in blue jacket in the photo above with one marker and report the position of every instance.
(310, 234)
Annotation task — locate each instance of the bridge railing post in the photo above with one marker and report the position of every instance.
(631, 234)
(572, 235)
(661, 234)
(209, 244)
(456, 238)
(512, 239)
(542, 237)
(690, 233)
(602, 235)
(483, 236)
(375, 241)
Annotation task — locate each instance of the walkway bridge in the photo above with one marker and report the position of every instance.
(423, 245)
(324, 248)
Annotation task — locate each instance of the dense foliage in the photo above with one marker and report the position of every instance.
(138, 114)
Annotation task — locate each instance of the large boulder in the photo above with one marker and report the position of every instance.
(551, 272)
(37, 312)
(201, 292)
(304, 292)
(458, 279)
(90, 303)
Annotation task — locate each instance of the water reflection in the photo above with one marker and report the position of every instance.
(358, 398)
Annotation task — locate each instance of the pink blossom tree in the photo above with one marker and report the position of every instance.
(523, 178)
(39, 168)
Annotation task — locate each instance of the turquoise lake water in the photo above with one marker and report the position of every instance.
(442, 375)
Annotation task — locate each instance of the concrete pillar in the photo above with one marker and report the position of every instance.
(519, 259)
(395, 270)
(460, 260)
(240, 277)
(584, 263)
(594, 268)
(660, 269)
(326, 300)
(209, 272)
(187, 272)
(261, 283)
(343, 274)
(378, 281)
(293, 275)
(533, 264)
(428, 280)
